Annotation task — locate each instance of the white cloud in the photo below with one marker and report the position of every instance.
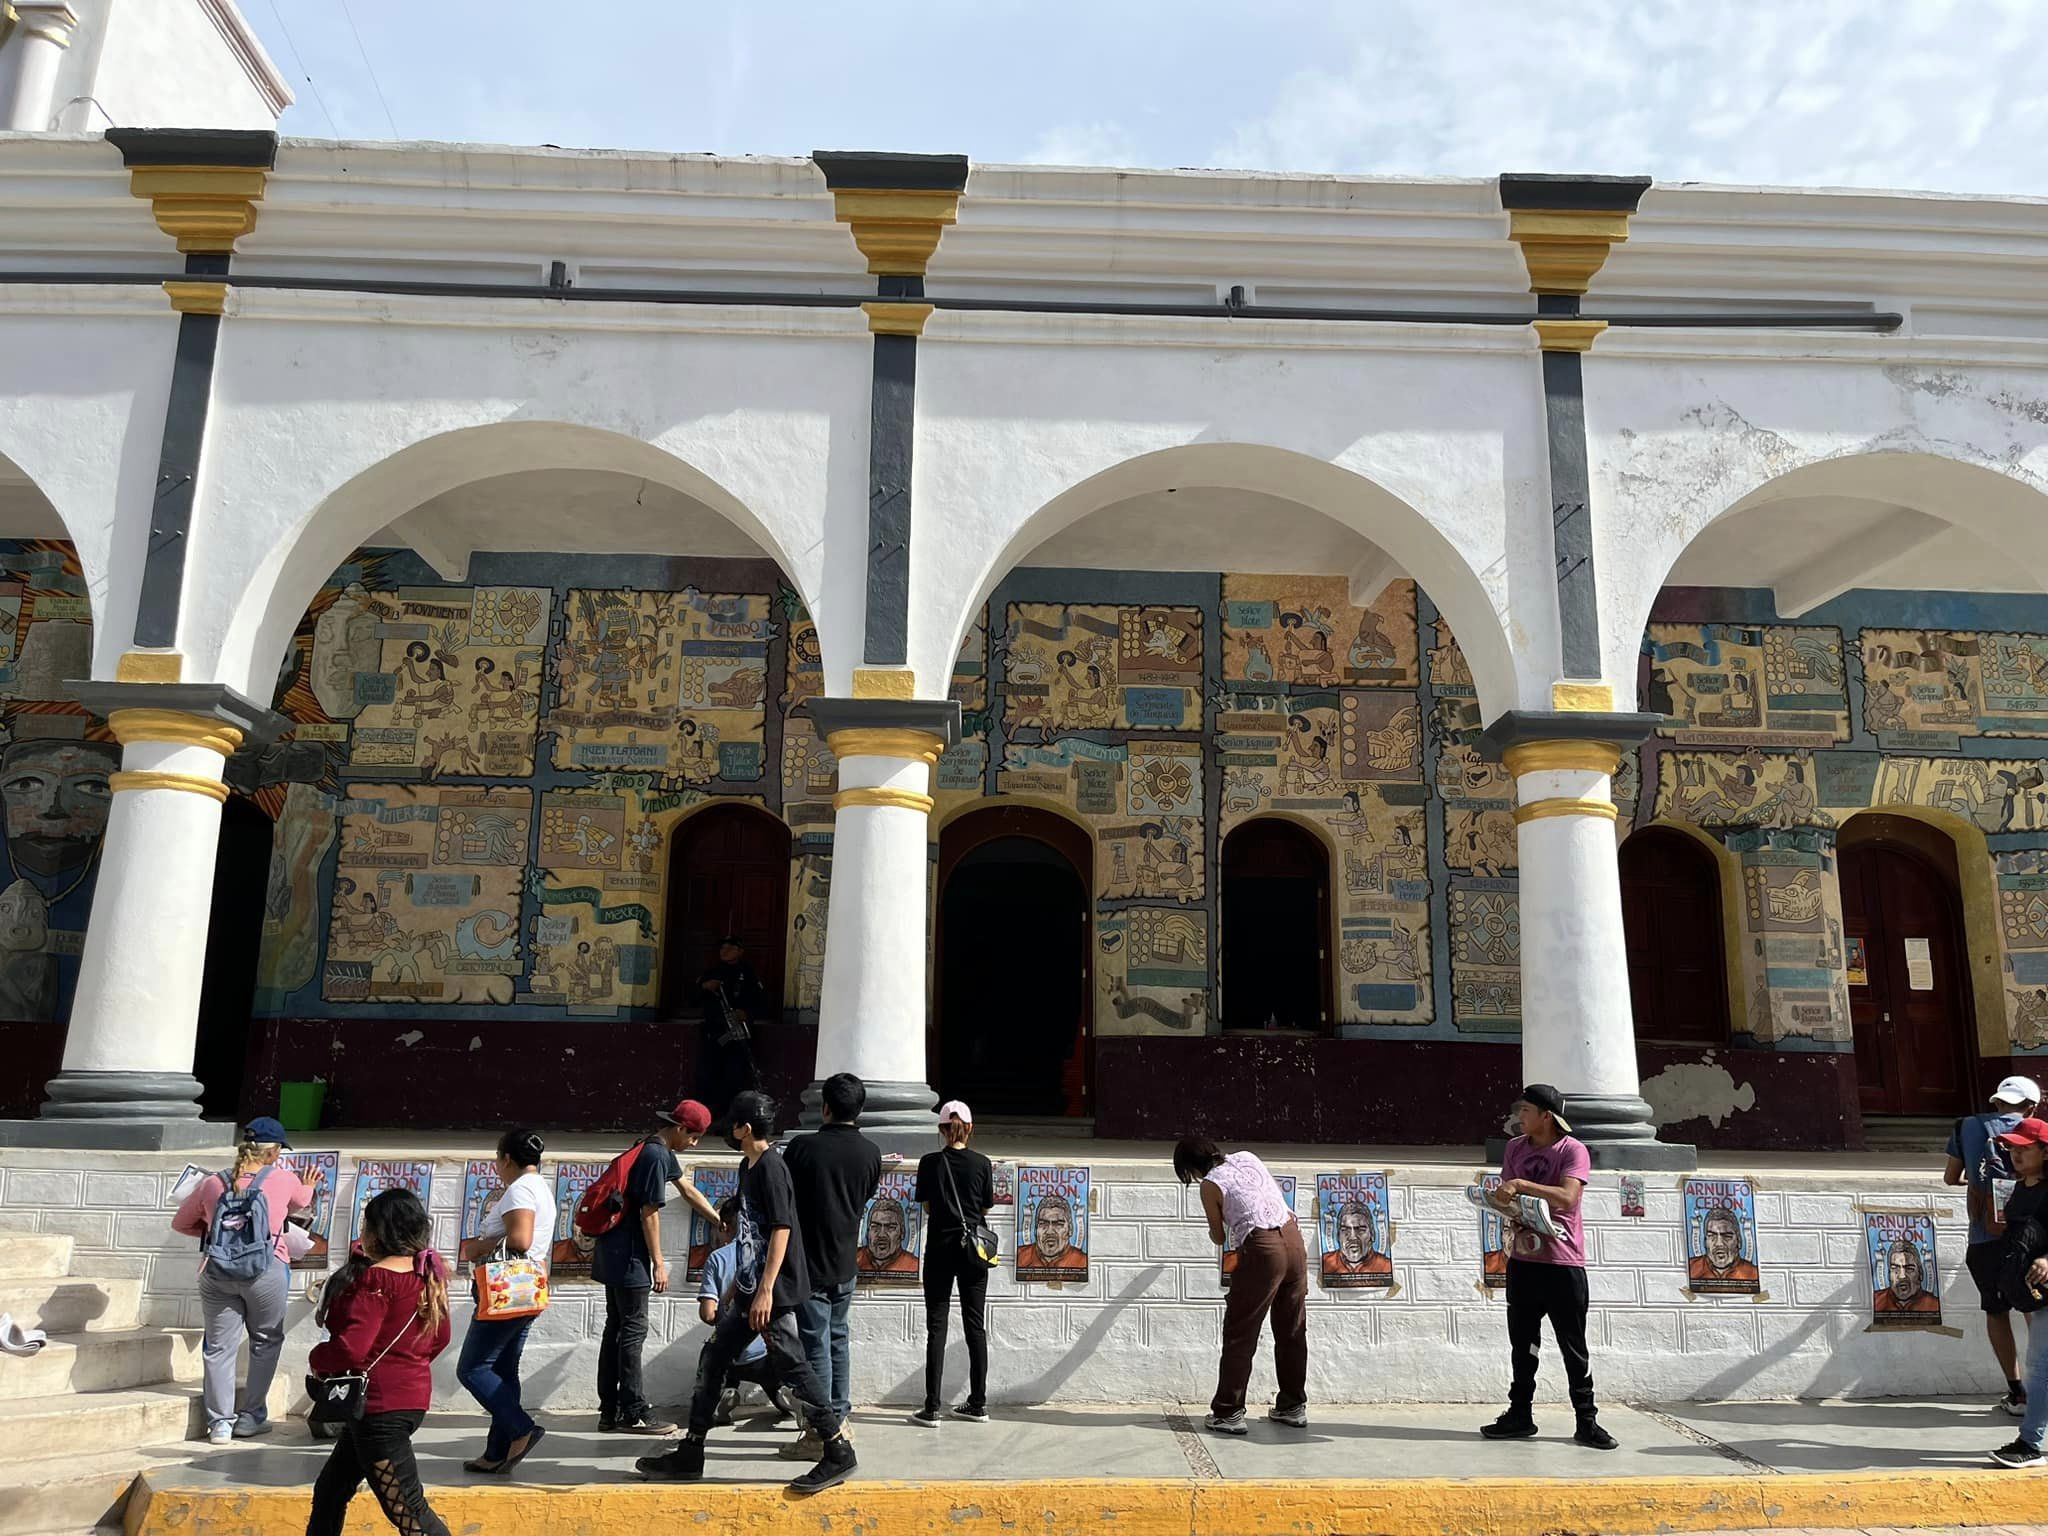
(1895, 93)
(1102, 142)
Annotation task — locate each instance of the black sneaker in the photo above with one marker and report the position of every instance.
(1509, 1426)
(1590, 1433)
(2021, 1453)
(607, 1424)
(971, 1414)
(834, 1468)
(926, 1418)
(681, 1463)
(645, 1424)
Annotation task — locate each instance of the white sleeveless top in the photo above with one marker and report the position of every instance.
(1252, 1199)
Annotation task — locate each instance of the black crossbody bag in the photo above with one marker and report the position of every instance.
(976, 1235)
(339, 1399)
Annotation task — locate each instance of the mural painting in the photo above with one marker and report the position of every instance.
(1356, 1231)
(1925, 690)
(2023, 933)
(1769, 685)
(1302, 631)
(1079, 667)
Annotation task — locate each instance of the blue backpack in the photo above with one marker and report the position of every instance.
(238, 1244)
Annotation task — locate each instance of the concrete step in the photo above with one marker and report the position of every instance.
(74, 1304)
(34, 1255)
(103, 1362)
(90, 1423)
(64, 1496)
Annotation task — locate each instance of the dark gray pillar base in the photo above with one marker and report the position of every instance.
(120, 1111)
(898, 1117)
(1617, 1134)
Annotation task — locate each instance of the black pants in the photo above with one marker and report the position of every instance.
(947, 1262)
(1556, 1292)
(618, 1354)
(787, 1364)
(378, 1446)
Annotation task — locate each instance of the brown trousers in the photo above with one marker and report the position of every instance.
(1271, 1277)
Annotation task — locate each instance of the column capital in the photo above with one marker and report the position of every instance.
(1518, 729)
(887, 727)
(210, 715)
(897, 206)
(1565, 226)
(203, 185)
(52, 20)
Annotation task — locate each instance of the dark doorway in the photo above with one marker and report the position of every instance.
(1671, 914)
(1012, 1009)
(1909, 991)
(234, 945)
(728, 873)
(1275, 971)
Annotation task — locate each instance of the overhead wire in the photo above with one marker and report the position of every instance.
(375, 84)
(291, 43)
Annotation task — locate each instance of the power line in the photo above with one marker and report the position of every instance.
(390, 121)
(332, 131)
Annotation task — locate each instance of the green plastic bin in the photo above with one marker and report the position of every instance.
(299, 1105)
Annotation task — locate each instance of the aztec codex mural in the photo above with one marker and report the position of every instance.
(507, 763)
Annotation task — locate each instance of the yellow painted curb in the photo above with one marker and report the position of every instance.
(1491, 1506)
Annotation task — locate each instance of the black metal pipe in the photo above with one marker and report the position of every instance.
(1728, 320)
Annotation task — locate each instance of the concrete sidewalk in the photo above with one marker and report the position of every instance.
(1388, 1469)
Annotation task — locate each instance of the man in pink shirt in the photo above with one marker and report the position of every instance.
(1546, 1272)
(234, 1307)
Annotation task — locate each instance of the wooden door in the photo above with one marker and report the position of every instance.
(1909, 992)
(1275, 967)
(728, 874)
(1671, 915)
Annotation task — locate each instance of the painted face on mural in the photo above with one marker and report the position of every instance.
(1723, 1241)
(1905, 1269)
(56, 796)
(1054, 1226)
(885, 1230)
(1354, 1233)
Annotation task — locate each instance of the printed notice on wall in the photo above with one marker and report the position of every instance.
(1919, 966)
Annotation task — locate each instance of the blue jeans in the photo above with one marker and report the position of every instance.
(489, 1372)
(2034, 1370)
(821, 1322)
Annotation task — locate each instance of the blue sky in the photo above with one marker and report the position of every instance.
(1949, 95)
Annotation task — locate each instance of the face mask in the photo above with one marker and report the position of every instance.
(732, 1140)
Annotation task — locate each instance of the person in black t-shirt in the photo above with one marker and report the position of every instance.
(956, 1186)
(770, 1283)
(732, 994)
(2026, 1228)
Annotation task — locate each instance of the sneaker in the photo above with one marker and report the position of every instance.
(926, 1418)
(2014, 1404)
(971, 1414)
(249, 1425)
(721, 1417)
(1294, 1418)
(1509, 1426)
(1226, 1423)
(805, 1447)
(681, 1463)
(1590, 1433)
(221, 1432)
(607, 1424)
(833, 1468)
(645, 1424)
(2021, 1453)
(779, 1401)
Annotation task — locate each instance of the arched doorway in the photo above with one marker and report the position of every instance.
(1275, 954)
(234, 946)
(1671, 914)
(1013, 1004)
(728, 873)
(1909, 990)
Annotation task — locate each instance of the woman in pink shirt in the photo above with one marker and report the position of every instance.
(234, 1307)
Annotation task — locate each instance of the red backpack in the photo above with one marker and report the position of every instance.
(603, 1205)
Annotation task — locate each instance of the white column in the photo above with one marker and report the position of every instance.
(135, 1019)
(1578, 1030)
(28, 64)
(871, 1014)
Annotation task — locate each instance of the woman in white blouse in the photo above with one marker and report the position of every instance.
(520, 1222)
(1248, 1212)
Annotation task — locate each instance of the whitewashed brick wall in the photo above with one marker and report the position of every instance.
(1146, 1325)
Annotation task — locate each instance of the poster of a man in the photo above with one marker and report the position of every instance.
(1905, 1279)
(1357, 1237)
(569, 1258)
(1493, 1241)
(374, 1176)
(891, 1234)
(1720, 1229)
(321, 1173)
(715, 1185)
(1052, 1207)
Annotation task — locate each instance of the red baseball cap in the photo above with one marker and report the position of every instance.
(690, 1115)
(2028, 1133)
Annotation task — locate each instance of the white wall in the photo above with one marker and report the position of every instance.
(156, 64)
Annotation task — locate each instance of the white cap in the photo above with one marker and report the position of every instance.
(2017, 1090)
(955, 1109)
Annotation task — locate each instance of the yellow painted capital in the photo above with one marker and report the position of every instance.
(1572, 698)
(1553, 756)
(888, 317)
(896, 230)
(197, 298)
(884, 682)
(149, 667)
(1537, 810)
(150, 778)
(175, 727)
(1564, 247)
(896, 799)
(879, 742)
(202, 207)
(1567, 335)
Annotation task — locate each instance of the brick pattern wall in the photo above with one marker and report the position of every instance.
(1145, 1327)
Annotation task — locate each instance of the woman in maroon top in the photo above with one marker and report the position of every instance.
(386, 1312)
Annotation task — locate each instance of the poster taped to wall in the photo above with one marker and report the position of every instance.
(716, 1185)
(1227, 1264)
(321, 1173)
(480, 1190)
(1905, 1277)
(1006, 1183)
(374, 1176)
(1632, 1202)
(1493, 1241)
(570, 1259)
(1052, 1224)
(1355, 1231)
(1720, 1238)
(891, 1234)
